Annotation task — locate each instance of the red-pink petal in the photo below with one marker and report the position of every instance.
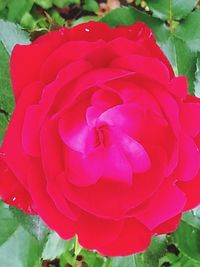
(133, 238)
(171, 202)
(148, 66)
(189, 159)
(179, 87)
(45, 206)
(26, 64)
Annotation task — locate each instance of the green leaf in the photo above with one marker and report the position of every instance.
(184, 261)
(20, 250)
(84, 19)
(27, 21)
(150, 257)
(7, 223)
(182, 58)
(93, 259)
(191, 219)
(11, 34)
(55, 246)
(188, 30)
(90, 5)
(6, 95)
(33, 224)
(16, 9)
(197, 77)
(171, 9)
(63, 3)
(187, 237)
(124, 261)
(17, 247)
(67, 258)
(44, 3)
(57, 18)
(3, 4)
(3, 125)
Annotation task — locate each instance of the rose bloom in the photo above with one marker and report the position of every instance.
(103, 142)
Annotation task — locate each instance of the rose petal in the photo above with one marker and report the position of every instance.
(168, 226)
(94, 232)
(134, 151)
(12, 191)
(89, 169)
(151, 214)
(179, 86)
(191, 190)
(16, 158)
(133, 238)
(190, 118)
(189, 159)
(44, 205)
(25, 57)
(148, 66)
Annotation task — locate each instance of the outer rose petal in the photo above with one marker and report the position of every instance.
(190, 118)
(12, 191)
(133, 238)
(16, 158)
(148, 66)
(189, 159)
(20, 61)
(191, 190)
(59, 58)
(168, 226)
(179, 86)
(88, 32)
(94, 232)
(152, 214)
(137, 32)
(44, 205)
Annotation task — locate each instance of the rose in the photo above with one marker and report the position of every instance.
(103, 142)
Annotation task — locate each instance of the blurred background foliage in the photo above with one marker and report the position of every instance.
(43, 15)
(25, 241)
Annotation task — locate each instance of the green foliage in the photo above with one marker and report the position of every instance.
(124, 261)
(8, 225)
(16, 9)
(189, 31)
(182, 58)
(10, 35)
(187, 237)
(157, 249)
(171, 9)
(197, 76)
(55, 247)
(46, 4)
(20, 250)
(33, 224)
(91, 5)
(6, 97)
(17, 246)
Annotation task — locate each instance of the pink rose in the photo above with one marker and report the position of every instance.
(103, 142)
